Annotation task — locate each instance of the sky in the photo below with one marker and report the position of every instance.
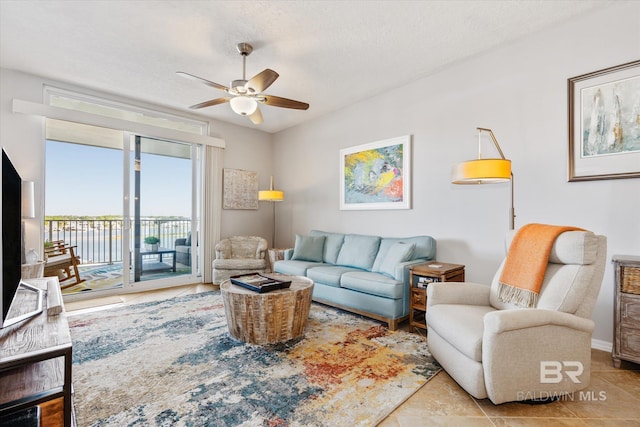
(85, 180)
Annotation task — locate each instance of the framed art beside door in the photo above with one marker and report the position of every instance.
(604, 124)
(376, 175)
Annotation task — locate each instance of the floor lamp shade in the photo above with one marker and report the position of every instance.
(482, 171)
(270, 195)
(485, 171)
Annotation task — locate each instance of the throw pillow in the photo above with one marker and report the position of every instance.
(398, 252)
(308, 248)
(358, 251)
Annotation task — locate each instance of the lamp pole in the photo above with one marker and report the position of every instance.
(272, 196)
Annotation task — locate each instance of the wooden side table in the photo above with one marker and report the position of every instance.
(421, 276)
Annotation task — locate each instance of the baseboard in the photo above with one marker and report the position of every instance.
(602, 345)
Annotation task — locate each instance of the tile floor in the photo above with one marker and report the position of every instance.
(441, 402)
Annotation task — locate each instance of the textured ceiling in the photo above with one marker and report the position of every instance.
(328, 53)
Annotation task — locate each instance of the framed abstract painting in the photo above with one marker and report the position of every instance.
(604, 124)
(376, 175)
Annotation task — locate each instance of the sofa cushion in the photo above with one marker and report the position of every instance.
(294, 267)
(462, 326)
(329, 275)
(358, 251)
(308, 248)
(332, 245)
(398, 253)
(188, 241)
(425, 248)
(372, 283)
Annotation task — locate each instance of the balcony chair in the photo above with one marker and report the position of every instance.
(61, 261)
(239, 255)
(183, 250)
(502, 351)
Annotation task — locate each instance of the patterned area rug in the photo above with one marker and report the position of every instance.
(173, 363)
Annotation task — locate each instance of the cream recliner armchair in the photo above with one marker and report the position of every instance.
(507, 353)
(238, 255)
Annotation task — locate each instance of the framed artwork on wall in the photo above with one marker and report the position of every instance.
(376, 175)
(240, 189)
(604, 124)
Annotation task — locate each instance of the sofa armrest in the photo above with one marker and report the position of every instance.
(403, 270)
(466, 293)
(180, 242)
(501, 321)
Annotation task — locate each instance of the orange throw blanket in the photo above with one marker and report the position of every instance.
(526, 263)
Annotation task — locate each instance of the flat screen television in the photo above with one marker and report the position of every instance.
(11, 245)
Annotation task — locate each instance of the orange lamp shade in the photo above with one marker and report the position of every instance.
(481, 171)
(271, 195)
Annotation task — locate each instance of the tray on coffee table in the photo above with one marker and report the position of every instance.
(259, 283)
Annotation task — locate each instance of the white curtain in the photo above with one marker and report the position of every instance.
(212, 202)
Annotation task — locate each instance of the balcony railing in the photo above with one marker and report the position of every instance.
(99, 241)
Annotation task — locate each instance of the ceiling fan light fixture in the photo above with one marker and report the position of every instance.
(243, 105)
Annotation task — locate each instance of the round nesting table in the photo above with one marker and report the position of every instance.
(270, 317)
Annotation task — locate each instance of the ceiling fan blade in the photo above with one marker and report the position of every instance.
(256, 117)
(276, 101)
(210, 103)
(201, 80)
(261, 81)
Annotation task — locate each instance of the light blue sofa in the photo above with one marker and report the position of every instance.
(367, 275)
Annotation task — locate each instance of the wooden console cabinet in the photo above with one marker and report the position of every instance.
(35, 362)
(421, 276)
(626, 320)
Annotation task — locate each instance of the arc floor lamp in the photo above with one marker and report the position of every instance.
(486, 171)
(272, 195)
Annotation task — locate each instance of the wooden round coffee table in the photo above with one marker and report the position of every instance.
(270, 317)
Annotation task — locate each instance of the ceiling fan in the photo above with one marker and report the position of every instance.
(246, 94)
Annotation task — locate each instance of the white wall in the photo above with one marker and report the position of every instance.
(520, 91)
(22, 137)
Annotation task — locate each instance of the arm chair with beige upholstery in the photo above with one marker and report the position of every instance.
(239, 255)
(506, 353)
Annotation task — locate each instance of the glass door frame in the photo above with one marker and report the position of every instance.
(128, 232)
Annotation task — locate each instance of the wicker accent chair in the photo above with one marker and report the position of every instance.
(499, 351)
(239, 255)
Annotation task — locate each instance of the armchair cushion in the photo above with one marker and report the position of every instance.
(566, 284)
(466, 324)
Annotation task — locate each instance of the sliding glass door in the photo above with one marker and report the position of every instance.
(128, 204)
(163, 205)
